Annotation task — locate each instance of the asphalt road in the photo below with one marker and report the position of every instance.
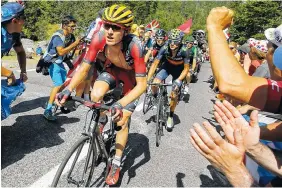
(32, 148)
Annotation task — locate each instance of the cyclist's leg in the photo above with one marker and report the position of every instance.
(162, 75)
(102, 85)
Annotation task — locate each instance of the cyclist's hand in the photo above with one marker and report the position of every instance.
(62, 97)
(11, 80)
(176, 85)
(116, 112)
(220, 17)
(23, 76)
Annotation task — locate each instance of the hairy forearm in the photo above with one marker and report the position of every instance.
(79, 76)
(272, 132)
(240, 177)
(225, 68)
(266, 158)
(136, 92)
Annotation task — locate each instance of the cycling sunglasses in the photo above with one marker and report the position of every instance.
(174, 42)
(160, 38)
(114, 27)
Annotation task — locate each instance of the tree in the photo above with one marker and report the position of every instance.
(252, 18)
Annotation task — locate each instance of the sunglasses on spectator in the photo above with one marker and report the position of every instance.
(72, 26)
(231, 47)
(107, 26)
(241, 52)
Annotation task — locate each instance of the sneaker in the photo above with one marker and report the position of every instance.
(169, 123)
(186, 90)
(49, 115)
(113, 175)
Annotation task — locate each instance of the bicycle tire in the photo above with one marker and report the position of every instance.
(74, 148)
(158, 122)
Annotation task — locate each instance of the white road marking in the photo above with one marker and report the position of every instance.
(46, 180)
(29, 70)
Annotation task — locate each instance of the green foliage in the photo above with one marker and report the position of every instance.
(252, 17)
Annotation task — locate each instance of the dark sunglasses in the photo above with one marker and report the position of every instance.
(160, 38)
(174, 42)
(231, 48)
(72, 26)
(107, 26)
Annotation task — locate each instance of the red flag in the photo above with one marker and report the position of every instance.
(153, 25)
(186, 26)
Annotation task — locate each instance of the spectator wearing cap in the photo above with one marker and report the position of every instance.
(244, 51)
(257, 54)
(274, 37)
(12, 20)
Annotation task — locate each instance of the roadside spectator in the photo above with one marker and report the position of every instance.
(141, 30)
(61, 43)
(231, 78)
(39, 51)
(245, 61)
(12, 20)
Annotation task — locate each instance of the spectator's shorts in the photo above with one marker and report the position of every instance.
(58, 74)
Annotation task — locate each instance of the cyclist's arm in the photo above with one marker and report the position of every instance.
(272, 132)
(140, 74)
(96, 45)
(156, 62)
(231, 78)
(194, 62)
(147, 56)
(186, 66)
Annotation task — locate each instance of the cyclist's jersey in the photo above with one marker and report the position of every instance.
(274, 96)
(9, 41)
(132, 51)
(180, 58)
(156, 48)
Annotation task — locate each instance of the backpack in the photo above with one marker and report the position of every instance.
(47, 59)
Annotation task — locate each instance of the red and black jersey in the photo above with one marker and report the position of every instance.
(131, 48)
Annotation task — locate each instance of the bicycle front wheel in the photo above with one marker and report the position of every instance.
(159, 123)
(78, 165)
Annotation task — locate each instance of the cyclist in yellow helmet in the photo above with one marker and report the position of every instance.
(123, 60)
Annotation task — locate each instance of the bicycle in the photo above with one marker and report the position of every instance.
(162, 109)
(99, 147)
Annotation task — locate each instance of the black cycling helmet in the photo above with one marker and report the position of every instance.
(160, 33)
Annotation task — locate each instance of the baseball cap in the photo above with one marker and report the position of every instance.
(244, 48)
(277, 58)
(10, 10)
(274, 35)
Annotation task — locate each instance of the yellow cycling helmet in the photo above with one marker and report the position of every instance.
(118, 14)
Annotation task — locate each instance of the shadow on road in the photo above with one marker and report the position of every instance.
(29, 105)
(218, 179)
(179, 182)
(30, 133)
(137, 145)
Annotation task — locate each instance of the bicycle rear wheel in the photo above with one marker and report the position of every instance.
(159, 123)
(78, 165)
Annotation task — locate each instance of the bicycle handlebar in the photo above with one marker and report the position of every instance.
(89, 103)
(159, 84)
